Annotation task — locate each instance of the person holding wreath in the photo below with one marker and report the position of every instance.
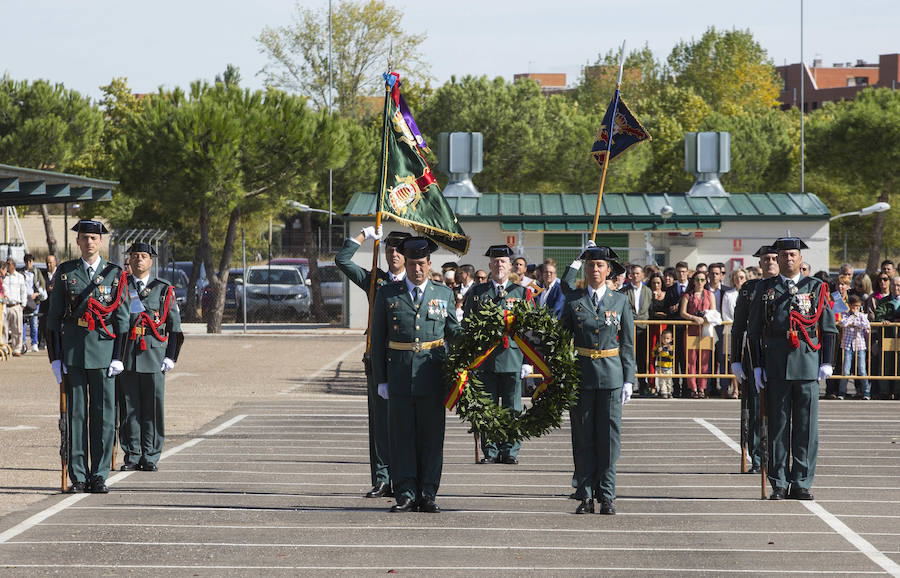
(602, 325)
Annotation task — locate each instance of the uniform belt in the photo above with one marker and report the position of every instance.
(416, 347)
(81, 322)
(140, 330)
(597, 353)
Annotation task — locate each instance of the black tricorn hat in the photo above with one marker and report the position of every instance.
(499, 251)
(617, 268)
(448, 266)
(604, 253)
(140, 247)
(88, 226)
(417, 247)
(788, 243)
(765, 250)
(394, 238)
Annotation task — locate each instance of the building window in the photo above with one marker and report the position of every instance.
(862, 81)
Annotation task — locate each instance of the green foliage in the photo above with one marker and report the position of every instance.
(364, 35)
(484, 328)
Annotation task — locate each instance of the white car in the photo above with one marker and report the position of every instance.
(273, 292)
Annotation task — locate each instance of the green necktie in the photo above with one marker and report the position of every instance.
(418, 296)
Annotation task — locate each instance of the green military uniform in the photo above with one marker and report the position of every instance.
(738, 329)
(791, 374)
(154, 334)
(501, 373)
(605, 330)
(379, 444)
(408, 354)
(87, 323)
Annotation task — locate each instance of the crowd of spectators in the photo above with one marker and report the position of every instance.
(705, 297)
(23, 295)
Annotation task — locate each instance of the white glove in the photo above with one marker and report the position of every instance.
(526, 370)
(738, 370)
(825, 371)
(58, 368)
(167, 365)
(115, 368)
(626, 392)
(382, 390)
(371, 232)
(590, 244)
(759, 378)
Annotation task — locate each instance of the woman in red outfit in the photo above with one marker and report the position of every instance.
(694, 303)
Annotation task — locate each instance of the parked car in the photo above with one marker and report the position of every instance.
(300, 262)
(179, 279)
(331, 283)
(188, 267)
(230, 302)
(272, 291)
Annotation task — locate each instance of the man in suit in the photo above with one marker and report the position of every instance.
(790, 322)
(602, 324)
(552, 296)
(716, 276)
(639, 298)
(741, 361)
(673, 305)
(379, 444)
(503, 371)
(412, 320)
(87, 326)
(154, 342)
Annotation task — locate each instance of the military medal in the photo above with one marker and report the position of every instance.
(804, 303)
(608, 320)
(793, 289)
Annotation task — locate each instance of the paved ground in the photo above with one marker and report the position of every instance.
(273, 485)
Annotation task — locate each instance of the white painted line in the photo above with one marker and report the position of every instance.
(325, 368)
(40, 517)
(842, 529)
(858, 541)
(219, 428)
(16, 427)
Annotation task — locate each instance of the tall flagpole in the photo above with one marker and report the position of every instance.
(379, 203)
(609, 141)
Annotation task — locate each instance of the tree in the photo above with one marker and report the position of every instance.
(364, 36)
(729, 70)
(219, 156)
(857, 143)
(46, 126)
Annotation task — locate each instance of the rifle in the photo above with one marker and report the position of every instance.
(63, 435)
(763, 439)
(745, 423)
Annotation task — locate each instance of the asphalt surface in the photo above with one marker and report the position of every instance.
(274, 486)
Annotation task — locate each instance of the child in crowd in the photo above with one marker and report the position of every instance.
(853, 343)
(664, 362)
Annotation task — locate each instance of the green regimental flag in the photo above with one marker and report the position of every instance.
(409, 192)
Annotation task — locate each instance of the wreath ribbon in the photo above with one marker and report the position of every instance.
(529, 352)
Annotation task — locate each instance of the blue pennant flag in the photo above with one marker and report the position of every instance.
(627, 131)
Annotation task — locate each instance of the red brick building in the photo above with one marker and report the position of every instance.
(550, 82)
(839, 82)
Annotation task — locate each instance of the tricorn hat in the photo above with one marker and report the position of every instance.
(394, 238)
(603, 252)
(140, 247)
(88, 226)
(449, 266)
(417, 247)
(499, 251)
(788, 243)
(765, 250)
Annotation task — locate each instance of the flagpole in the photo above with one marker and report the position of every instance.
(379, 203)
(608, 143)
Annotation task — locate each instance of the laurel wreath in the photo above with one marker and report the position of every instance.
(485, 327)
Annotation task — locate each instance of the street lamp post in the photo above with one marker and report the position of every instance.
(879, 207)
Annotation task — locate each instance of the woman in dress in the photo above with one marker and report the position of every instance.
(694, 303)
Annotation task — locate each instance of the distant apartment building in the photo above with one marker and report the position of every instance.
(550, 82)
(838, 82)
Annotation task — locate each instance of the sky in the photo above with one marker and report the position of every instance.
(87, 43)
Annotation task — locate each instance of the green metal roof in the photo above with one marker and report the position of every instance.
(21, 186)
(620, 211)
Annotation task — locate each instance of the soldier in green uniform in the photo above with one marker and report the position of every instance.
(602, 325)
(768, 264)
(790, 322)
(379, 445)
(412, 320)
(87, 325)
(154, 341)
(503, 371)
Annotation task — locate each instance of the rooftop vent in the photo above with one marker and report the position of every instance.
(707, 155)
(459, 157)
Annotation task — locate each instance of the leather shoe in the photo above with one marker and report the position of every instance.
(777, 494)
(405, 504)
(487, 460)
(427, 505)
(585, 507)
(607, 507)
(148, 467)
(129, 467)
(98, 486)
(799, 494)
(753, 470)
(380, 490)
(77, 488)
(511, 460)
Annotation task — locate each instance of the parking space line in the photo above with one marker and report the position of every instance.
(323, 369)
